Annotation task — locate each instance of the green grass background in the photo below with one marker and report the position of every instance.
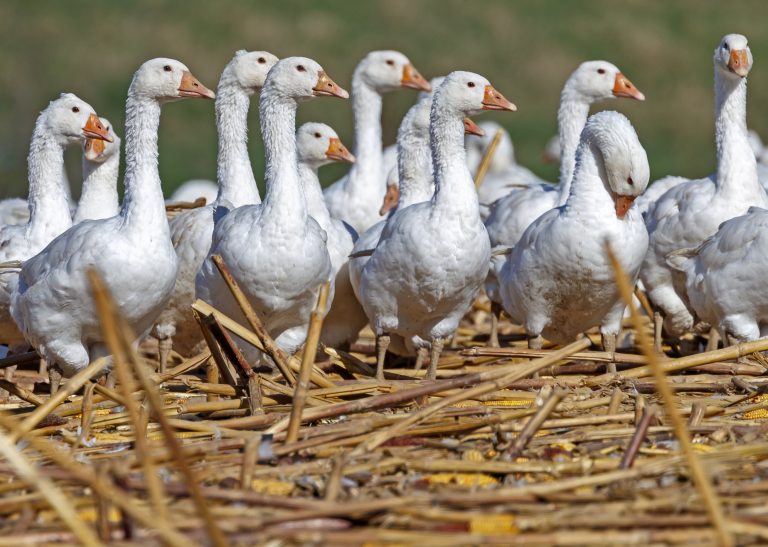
(526, 48)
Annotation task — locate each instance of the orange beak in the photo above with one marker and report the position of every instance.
(413, 79)
(471, 128)
(94, 129)
(390, 199)
(328, 88)
(622, 87)
(623, 203)
(93, 148)
(192, 88)
(493, 100)
(739, 62)
(338, 152)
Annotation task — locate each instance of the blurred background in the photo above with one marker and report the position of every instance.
(526, 48)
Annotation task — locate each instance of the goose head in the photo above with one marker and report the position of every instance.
(248, 70)
(317, 145)
(599, 80)
(622, 160)
(166, 80)
(70, 120)
(467, 93)
(389, 70)
(733, 56)
(300, 78)
(99, 150)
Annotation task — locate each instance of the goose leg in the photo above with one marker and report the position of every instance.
(658, 321)
(421, 356)
(164, 346)
(609, 346)
(437, 349)
(8, 374)
(714, 339)
(382, 343)
(535, 341)
(54, 378)
(493, 341)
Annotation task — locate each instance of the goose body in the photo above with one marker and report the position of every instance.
(193, 189)
(356, 198)
(432, 256)
(192, 230)
(510, 216)
(67, 120)
(318, 145)
(725, 277)
(276, 251)
(132, 251)
(558, 281)
(691, 211)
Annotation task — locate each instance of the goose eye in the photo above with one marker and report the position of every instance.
(301, 68)
(725, 47)
(317, 135)
(390, 62)
(601, 71)
(261, 60)
(75, 109)
(167, 68)
(107, 128)
(470, 84)
(630, 181)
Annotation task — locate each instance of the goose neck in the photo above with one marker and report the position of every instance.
(366, 108)
(571, 118)
(48, 198)
(237, 184)
(454, 187)
(98, 198)
(414, 166)
(143, 205)
(284, 199)
(313, 194)
(736, 164)
(588, 189)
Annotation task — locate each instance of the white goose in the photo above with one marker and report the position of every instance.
(66, 121)
(52, 303)
(101, 166)
(692, 211)
(191, 230)
(558, 281)
(98, 197)
(356, 198)
(725, 277)
(276, 251)
(318, 145)
(433, 256)
(591, 82)
(194, 189)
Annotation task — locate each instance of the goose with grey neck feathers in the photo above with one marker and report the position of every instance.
(66, 121)
(558, 280)
(692, 211)
(132, 251)
(192, 230)
(276, 251)
(356, 198)
(433, 256)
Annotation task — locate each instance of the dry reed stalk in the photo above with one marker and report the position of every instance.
(485, 162)
(184, 205)
(56, 498)
(533, 425)
(86, 415)
(307, 360)
(701, 477)
(204, 309)
(637, 439)
(498, 381)
(19, 359)
(279, 357)
(21, 393)
(112, 337)
(69, 388)
(118, 333)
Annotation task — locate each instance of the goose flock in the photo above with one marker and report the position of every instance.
(406, 239)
